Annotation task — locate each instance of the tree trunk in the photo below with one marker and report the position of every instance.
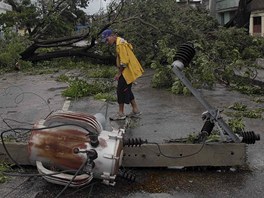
(242, 16)
(65, 49)
(72, 53)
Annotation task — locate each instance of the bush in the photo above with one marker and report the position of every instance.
(80, 88)
(10, 50)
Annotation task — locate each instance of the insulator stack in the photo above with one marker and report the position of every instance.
(127, 175)
(208, 127)
(134, 142)
(250, 137)
(185, 53)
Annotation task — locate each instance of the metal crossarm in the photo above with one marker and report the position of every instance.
(185, 55)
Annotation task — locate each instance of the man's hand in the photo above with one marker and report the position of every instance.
(117, 76)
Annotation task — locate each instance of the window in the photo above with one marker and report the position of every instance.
(257, 24)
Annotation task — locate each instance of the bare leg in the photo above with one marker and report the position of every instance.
(134, 106)
(121, 108)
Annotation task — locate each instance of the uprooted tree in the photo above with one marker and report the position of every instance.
(156, 29)
(242, 15)
(51, 26)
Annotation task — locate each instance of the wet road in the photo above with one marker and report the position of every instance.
(165, 116)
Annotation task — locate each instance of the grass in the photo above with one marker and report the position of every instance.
(3, 167)
(79, 88)
(101, 88)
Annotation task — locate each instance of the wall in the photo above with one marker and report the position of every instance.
(257, 14)
(226, 5)
(4, 7)
(223, 10)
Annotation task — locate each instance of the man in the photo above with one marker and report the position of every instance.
(129, 69)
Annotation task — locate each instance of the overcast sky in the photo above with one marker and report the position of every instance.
(96, 5)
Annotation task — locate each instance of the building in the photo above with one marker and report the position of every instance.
(4, 7)
(223, 10)
(256, 25)
(192, 3)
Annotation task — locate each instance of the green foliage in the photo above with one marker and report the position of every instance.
(236, 124)
(63, 78)
(80, 88)
(238, 106)
(49, 67)
(3, 167)
(26, 16)
(101, 88)
(248, 89)
(156, 20)
(213, 137)
(51, 18)
(160, 78)
(159, 27)
(58, 26)
(179, 88)
(102, 72)
(253, 113)
(10, 48)
(156, 29)
(106, 97)
(258, 100)
(191, 138)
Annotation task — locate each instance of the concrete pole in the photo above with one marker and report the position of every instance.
(212, 7)
(251, 25)
(262, 25)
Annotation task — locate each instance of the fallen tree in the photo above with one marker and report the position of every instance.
(47, 32)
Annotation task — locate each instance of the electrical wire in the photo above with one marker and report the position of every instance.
(37, 129)
(35, 174)
(177, 157)
(84, 187)
(8, 119)
(17, 102)
(5, 148)
(4, 120)
(81, 167)
(20, 97)
(30, 175)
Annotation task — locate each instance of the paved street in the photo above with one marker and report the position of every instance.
(165, 116)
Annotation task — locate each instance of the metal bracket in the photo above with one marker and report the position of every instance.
(212, 112)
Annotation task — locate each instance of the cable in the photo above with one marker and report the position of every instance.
(35, 174)
(84, 187)
(177, 157)
(17, 102)
(81, 167)
(37, 129)
(5, 119)
(6, 150)
(48, 115)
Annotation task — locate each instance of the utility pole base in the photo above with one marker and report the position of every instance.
(185, 155)
(160, 155)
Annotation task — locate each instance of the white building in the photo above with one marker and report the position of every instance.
(4, 7)
(96, 6)
(256, 27)
(192, 3)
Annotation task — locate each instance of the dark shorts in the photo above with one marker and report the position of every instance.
(124, 92)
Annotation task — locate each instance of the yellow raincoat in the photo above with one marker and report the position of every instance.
(125, 56)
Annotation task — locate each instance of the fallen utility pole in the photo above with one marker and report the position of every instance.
(75, 141)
